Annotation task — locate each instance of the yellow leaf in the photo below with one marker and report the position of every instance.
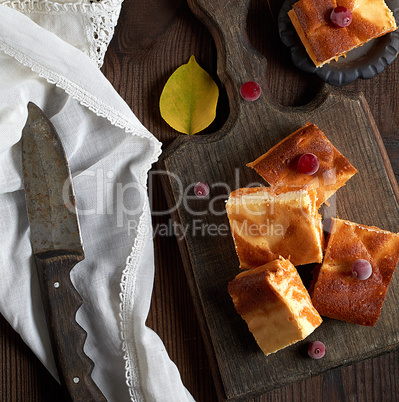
(189, 98)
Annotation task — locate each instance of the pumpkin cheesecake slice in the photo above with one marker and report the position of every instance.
(268, 222)
(275, 305)
(279, 166)
(324, 41)
(339, 294)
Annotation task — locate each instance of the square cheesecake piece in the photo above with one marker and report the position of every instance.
(335, 292)
(268, 222)
(279, 166)
(324, 41)
(275, 305)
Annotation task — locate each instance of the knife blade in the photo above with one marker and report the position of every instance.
(57, 248)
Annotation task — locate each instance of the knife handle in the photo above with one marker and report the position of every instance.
(61, 302)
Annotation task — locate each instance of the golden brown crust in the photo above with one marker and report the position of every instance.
(275, 305)
(278, 166)
(270, 222)
(252, 256)
(250, 290)
(324, 41)
(335, 292)
(313, 13)
(295, 22)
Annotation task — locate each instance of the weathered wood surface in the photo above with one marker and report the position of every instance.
(219, 159)
(151, 40)
(63, 301)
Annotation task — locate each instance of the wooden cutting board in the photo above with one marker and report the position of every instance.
(371, 197)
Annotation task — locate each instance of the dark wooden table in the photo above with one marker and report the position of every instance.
(152, 39)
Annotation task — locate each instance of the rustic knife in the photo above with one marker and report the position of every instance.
(57, 248)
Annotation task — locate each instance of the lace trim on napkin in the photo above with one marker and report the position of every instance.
(83, 97)
(100, 18)
(128, 285)
(128, 280)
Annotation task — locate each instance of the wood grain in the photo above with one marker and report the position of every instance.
(219, 159)
(23, 377)
(61, 301)
(138, 64)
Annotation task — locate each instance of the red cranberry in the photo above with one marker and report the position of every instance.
(341, 17)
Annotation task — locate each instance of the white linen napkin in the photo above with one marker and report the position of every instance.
(110, 153)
